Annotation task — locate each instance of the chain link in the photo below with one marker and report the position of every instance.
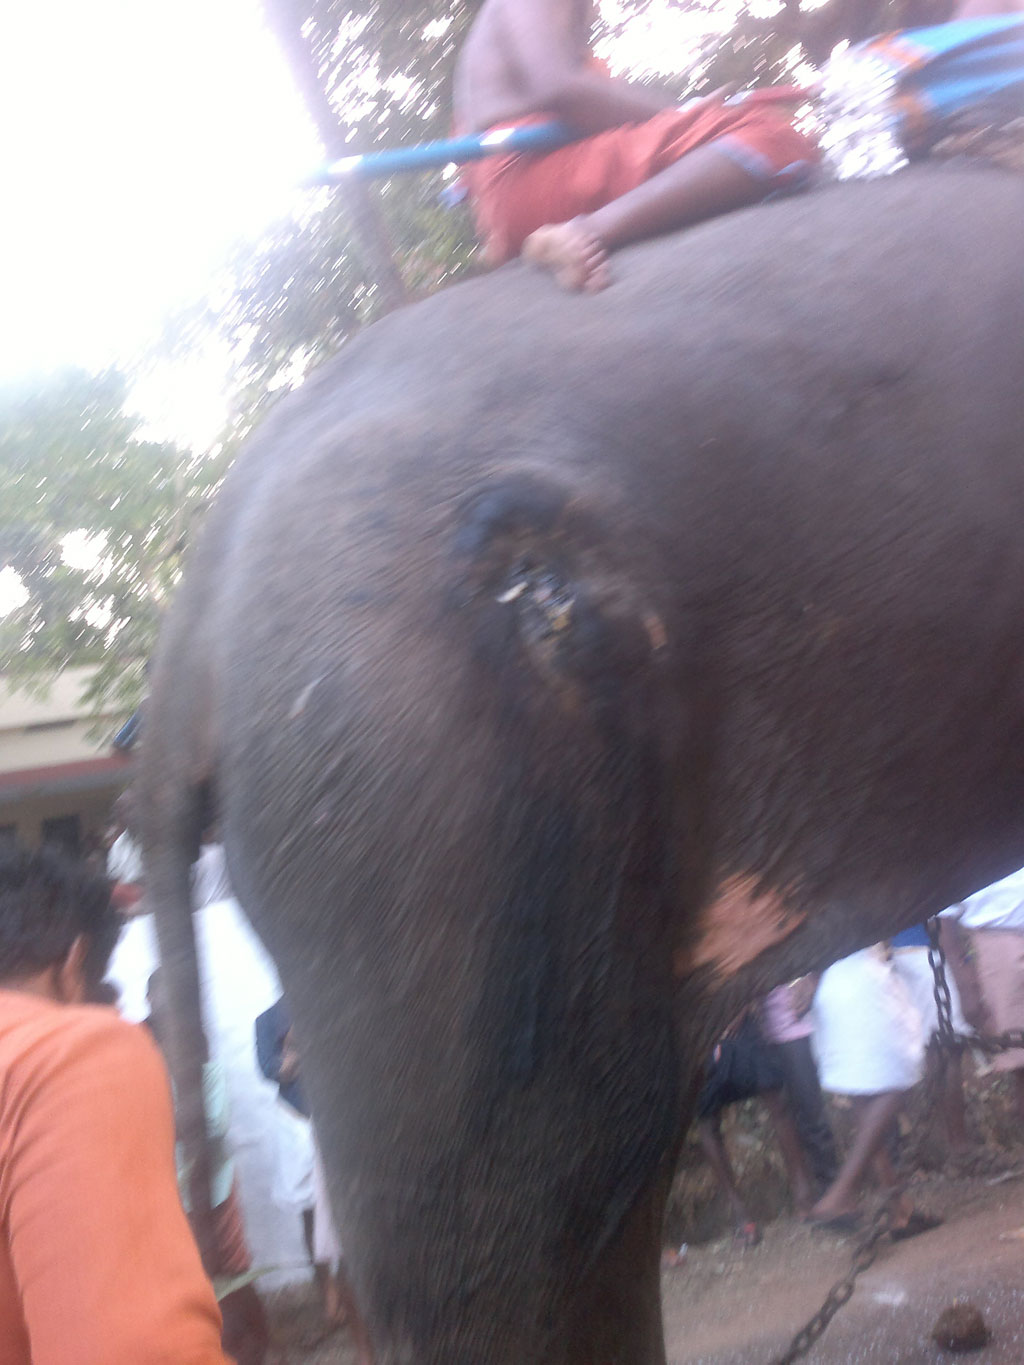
(940, 986)
(842, 1291)
(989, 1043)
(867, 1248)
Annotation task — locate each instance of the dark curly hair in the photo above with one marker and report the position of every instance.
(47, 900)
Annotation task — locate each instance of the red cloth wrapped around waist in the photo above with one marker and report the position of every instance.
(516, 194)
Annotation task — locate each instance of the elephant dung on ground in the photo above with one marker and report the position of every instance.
(569, 670)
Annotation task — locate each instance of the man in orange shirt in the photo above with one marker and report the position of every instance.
(97, 1262)
(644, 165)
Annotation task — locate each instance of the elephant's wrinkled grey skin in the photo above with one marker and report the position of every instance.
(571, 668)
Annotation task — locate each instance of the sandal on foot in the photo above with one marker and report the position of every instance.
(841, 1223)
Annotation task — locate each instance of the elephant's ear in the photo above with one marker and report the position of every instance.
(572, 691)
(546, 584)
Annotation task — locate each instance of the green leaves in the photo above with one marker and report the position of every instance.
(373, 74)
(94, 520)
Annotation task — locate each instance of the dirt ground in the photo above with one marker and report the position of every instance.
(730, 1307)
(298, 1334)
(724, 1306)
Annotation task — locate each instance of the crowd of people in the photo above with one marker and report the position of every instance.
(269, 1196)
(87, 1164)
(88, 1153)
(868, 1029)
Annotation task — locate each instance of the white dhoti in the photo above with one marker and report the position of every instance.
(239, 981)
(868, 1034)
(293, 1185)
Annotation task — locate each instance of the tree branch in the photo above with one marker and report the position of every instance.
(286, 22)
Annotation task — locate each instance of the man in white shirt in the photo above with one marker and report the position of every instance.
(239, 981)
(990, 976)
(124, 861)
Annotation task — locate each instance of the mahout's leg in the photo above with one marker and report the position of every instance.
(946, 1065)
(807, 1104)
(701, 184)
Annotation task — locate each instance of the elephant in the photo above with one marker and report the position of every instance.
(569, 670)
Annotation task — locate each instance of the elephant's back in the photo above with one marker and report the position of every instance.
(842, 260)
(766, 312)
(727, 373)
(777, 398)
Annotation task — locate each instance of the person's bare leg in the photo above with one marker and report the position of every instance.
(702, 184)
(710, 1133)
(792, 1151)
(323, 1278)
(327, 1291)
(874, 1114)
(245, 1332)
(888, 1181)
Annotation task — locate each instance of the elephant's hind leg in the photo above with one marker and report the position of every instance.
(619, 1312)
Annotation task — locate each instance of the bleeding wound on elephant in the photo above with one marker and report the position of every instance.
(545, 598)
(513, 506)
(542, 565)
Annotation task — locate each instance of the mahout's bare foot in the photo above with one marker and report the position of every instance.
(572, 253)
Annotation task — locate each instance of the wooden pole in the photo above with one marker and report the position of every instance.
(285, 20)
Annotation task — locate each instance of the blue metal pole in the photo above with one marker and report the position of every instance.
(534, 137)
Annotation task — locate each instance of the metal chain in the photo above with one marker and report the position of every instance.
(948, 1036)
(842, 1291)
(994, 1042)
(940, 986)
(867, 1248)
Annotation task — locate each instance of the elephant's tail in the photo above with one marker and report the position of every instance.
(174, 800)
(168, 870)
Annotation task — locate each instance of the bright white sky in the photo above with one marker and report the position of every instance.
(141, 139)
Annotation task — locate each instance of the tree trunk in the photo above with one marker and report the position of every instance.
(286, 22)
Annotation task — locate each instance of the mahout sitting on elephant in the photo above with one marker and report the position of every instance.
(641, 165)
(570, 671)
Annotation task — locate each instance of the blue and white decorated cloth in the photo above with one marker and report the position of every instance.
(889, 99)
